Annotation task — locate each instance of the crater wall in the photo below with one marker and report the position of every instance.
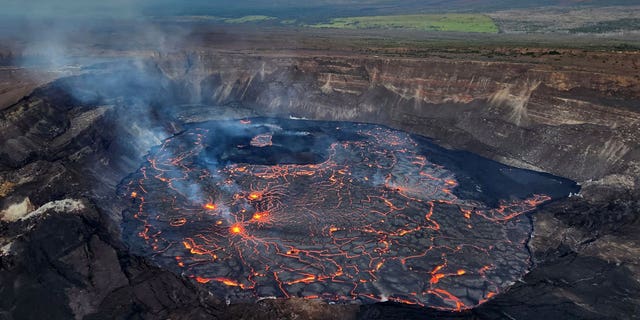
(571, 122)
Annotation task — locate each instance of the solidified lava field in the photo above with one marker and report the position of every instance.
(338, 211)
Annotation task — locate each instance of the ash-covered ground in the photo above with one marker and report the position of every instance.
(338, 211)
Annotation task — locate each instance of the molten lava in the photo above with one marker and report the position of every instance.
(210, 206)
(375, 219)
(236, 229)
(255, 195)
(261, 140)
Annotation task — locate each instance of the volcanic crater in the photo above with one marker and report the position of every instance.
(266, 207)
(157, 180)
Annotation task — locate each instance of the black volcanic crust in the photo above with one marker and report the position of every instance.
(73, 264)
(68, 255)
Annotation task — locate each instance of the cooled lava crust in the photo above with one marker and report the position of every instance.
(337, 211)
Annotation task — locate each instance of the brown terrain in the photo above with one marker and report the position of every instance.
(69, 137)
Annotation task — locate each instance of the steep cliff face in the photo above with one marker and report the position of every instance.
(572, 122)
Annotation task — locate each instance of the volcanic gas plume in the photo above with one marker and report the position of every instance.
(334, 211)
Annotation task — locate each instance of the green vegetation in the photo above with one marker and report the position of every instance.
(244, 19)
(427, 22)
(249, 19)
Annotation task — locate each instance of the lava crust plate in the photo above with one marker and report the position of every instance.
(333, 210)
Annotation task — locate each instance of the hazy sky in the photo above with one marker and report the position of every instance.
(125, 8)
(73, 7)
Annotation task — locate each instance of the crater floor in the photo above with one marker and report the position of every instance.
(333, 210)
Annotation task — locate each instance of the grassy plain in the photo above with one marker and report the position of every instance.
(427, 22)
(249, 19)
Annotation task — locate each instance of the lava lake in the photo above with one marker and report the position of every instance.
(339, 211)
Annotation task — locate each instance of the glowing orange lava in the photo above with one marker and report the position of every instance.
(210, 206)
(236, 229)
(375, 219)
(261, 140)
(262, 215)
(178, 222)
(255, 195)
(202, 280)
